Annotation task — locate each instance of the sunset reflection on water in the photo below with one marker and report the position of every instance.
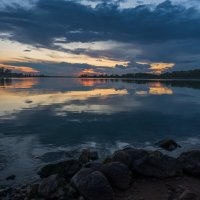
(15, 95)
(159, 89)
(12, 101)
(90, 82)
(50, 115)
(23, 83)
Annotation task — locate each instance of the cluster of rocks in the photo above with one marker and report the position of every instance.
(86, 179)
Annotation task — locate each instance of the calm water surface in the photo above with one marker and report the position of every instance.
(42, 118)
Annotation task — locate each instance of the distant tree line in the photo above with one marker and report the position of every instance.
(191, 74)
(8, 73)
(5, 71)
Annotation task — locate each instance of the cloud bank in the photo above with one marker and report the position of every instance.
(166, 33)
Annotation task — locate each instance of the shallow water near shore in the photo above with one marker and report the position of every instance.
(43, 118)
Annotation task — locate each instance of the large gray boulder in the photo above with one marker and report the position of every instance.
(128, 155)
(49, 187)
(79, 176)
(93, 185)
(155, 164)
(122, 157)
(66, 168)
(118, 175)
(190, 162)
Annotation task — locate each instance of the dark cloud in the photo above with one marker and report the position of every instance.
(166, 33)
(77, 22)
(74, 69)
(60, 69)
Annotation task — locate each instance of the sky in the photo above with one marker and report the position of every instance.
(73, 37)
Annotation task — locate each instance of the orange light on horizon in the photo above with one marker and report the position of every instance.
(20, 68)
(89, 72)
(12, 51)
(158, 68)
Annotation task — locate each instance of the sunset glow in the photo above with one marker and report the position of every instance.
(22, 69)
(89, 72)
(99, 99)
(71, 45)
(15, 53)
(161, 67)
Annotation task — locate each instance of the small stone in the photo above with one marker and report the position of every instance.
(23, 187)
(168, 144)
(28, 101)
(12, 177)
(188, 195)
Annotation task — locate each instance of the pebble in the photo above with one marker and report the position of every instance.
(12, 177)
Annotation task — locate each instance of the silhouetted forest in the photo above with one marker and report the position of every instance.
(8, 73)
(191, 74)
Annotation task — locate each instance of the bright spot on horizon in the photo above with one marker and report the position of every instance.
(23, 69)
(157, 67)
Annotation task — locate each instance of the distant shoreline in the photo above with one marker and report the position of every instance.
(175, 75)
(190, 74)
(107, 78)
(145, 79)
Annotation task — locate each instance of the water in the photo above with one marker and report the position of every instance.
(43, 118)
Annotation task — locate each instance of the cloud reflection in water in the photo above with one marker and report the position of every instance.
(12, 102)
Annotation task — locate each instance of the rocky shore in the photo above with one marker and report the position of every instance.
(127, 174)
